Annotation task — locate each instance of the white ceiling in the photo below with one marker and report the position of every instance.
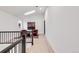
(20, 10)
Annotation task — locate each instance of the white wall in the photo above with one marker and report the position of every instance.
(8, 22)
(39, 22)
(62, 28)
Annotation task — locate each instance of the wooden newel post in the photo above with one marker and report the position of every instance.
(32, 37)
(23, 34)
(23, 44)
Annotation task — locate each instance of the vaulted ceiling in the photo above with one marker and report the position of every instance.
(20, 10)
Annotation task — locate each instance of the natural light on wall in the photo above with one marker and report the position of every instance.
(31, 12)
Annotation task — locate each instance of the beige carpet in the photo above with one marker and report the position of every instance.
(40, 46)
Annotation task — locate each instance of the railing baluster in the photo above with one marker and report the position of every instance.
(0, 37)
(4, 37)
(19, 48)
(11, 37)
(8, 37)
(15, 49)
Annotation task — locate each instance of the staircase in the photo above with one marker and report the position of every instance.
(15, 40)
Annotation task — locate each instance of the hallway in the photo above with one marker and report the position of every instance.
(40, 46)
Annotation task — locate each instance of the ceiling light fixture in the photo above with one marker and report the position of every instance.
(31, 12)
